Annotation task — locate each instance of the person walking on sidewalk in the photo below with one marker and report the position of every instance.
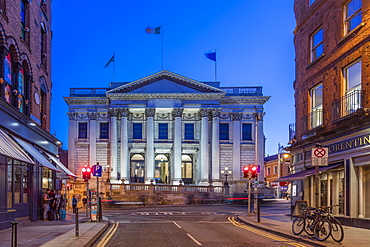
(74, 204)
(46, 203)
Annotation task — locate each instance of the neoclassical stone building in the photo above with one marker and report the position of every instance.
(166, 128)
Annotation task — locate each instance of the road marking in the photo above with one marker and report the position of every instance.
(109, 235)
(263, 233)
(193, 239)
(177, 225)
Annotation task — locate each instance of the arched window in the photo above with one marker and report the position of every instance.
(137, 168)
(8, 78)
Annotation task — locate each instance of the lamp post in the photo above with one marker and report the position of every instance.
(226, 172)
(109, 169)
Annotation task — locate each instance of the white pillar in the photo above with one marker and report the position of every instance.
(177, 148)
(236, 118)
(204, 174)
(361, 203)
(72, 136)
(92, 137)
(113, 143)
(125, 167)
(216, 144)
(149, 159)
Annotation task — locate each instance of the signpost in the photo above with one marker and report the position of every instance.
(319, 157)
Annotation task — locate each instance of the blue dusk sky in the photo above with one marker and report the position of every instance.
(253, 39)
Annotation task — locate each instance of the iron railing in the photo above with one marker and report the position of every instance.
(347, 105)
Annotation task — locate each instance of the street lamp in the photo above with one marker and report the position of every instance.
(226, 172)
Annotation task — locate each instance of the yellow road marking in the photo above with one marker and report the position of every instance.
(109, 235)
(263, 233)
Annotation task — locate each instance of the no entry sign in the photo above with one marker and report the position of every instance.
(319, 156)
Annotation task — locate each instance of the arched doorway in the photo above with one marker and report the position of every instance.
(161, 169)
(187, 169)
(137, 168)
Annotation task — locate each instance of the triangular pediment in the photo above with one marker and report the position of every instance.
(165, 82)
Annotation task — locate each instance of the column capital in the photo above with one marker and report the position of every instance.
(92, 115)
(177, 112)
(215, 112)
(72, 115)
(150, 112)
(236, 116)
(125, 112)
(204, 112)
(114, 112)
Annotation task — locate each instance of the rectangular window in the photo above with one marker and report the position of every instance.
(137, 131)
(104, 131)
(10, 184)
(163, 131)
(82, 130)
(317, 44)
(189, 131)
(353, 15)
(316, 117)
(352, 76)
(247, 131)
(268, 171)
(275, 170)
(224, 131)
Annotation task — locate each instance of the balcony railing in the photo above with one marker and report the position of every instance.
(87, 92)
(243, 91)
(347, 105)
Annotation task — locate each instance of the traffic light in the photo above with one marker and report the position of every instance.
(254, 171)
(86, 172)
(246, 171)
(68, 186)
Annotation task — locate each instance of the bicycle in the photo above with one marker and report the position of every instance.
(300, 222)
(337, 232)
(316, 224)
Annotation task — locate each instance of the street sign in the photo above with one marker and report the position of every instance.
(320, 156)
(97, 170)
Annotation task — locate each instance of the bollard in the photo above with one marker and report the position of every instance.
(258, 212)
(76, 220)
(14, 234)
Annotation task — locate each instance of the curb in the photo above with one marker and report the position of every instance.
(98, 234)
(281, 234)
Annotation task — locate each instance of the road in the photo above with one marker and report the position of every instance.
(185, 226)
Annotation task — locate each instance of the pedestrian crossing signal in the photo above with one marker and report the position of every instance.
(250, 171)
(86, 172)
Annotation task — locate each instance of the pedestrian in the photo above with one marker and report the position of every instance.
(84, 201)
(74, 204)
(52, 205)
(46, 203)
(62, 208)
(57, 200)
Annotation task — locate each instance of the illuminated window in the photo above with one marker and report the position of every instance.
(316, 117)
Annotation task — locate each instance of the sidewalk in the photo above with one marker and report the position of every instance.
(57, 233)
(281, 225)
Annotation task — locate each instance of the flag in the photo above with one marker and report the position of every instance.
(154, 30)
(211, 55)
(110, 61)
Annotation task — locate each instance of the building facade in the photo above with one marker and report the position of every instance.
(28, 152)
(166, 128)
(332, 40)
(277, 166)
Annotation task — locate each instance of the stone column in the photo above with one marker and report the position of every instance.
(361, 202)
(177, 148)
(113, 142)
(203, 152)
(236, 117)
(72, 136)
(215, 144)
(125, 162)
(93, 116)
(149, 159)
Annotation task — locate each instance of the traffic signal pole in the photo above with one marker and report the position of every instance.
(249, 196)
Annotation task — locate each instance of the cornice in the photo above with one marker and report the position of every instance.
(260, 99)
(185, 96)
(76, 100)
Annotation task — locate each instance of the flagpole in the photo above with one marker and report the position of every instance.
(114, 59)
(162, 47)
(216, 66)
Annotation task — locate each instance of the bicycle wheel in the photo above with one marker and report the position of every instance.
(308, 228)
(298, 225)
(322, 229)
(337, 232)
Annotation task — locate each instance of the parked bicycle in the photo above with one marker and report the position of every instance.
(337, 232)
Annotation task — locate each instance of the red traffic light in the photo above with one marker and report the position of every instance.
(254, 168)
(86, 172)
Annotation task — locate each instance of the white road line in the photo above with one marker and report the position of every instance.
(177, 224)
(193, 239)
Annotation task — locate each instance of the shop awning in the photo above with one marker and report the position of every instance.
(61, 166)
(9, 148)
(36, 154)
(308, 172)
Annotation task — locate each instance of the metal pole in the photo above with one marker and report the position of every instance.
(256, 155)
(14, 234)
(87, 197)
(317, 186)
(258, 212)
(76, 222)
(249, 196)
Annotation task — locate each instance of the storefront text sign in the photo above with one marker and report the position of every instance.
(349, 144)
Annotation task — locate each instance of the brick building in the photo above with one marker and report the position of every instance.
(166, 128)
(28, 153)
(332, 41)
